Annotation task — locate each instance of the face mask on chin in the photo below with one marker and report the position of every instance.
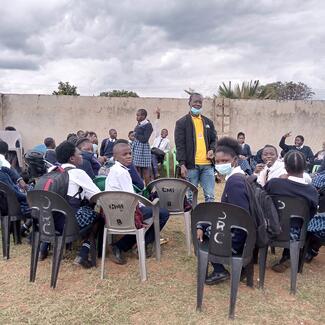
(224, 169)
(195, 111)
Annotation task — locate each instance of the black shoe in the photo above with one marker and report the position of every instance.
(117, 256)
(85, 263)
(43, 255)
(310, 255)
(24, 231)
(217, 277)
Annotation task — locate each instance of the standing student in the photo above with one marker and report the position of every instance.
(235, 192)
(141, 151)
(131, 137)
(160, 142)
(295, 186)
(195, 140)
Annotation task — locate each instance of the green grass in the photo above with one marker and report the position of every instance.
(168, 297)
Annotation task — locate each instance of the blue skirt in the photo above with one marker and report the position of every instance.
(141, 154)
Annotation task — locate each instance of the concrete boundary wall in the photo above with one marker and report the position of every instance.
(39, 116)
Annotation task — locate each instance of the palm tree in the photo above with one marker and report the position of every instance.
(247, 90)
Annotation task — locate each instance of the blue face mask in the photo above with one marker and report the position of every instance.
(195, 111)
(224, 169)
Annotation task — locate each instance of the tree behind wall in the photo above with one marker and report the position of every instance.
(118, 93)
(287, 91)
(65, 88)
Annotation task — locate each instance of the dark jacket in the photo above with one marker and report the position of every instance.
(246, 150)
(185, 139)
(322, 166)
(304, 150)
(89, 164)
(106, 148)
(143, 132)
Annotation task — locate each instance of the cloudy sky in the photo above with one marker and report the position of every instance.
(159, 48)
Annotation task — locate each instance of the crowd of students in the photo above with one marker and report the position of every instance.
(201, 157)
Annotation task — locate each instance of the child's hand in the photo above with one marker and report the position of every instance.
(199, 235)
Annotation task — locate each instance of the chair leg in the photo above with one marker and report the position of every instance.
(58, 247)
(250, 274)
(16, 232)
(303, 252)
(294, 259)
(93, 253)
(262, 266)
(103, 253)
(142, 253)
(157, 233)
(202, 268)
(5, 229)
(236, 267)
(34, 256)
(187, 221)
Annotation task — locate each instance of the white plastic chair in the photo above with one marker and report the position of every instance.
(171, 193)
(11, 137)
(119, 208)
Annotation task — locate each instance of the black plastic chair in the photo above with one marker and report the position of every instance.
(223, 217)
(44, 204)
(321, 203)
(288, 208)
(171, 193)
(10, 216)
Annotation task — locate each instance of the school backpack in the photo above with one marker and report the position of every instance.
(263, 210)
(57, 180)
(36, 164)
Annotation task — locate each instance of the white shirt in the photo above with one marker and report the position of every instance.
(236, 170)
(119, 179)
(162, 144)
(159, 142)
(275, 171)
(297, 179)
(4, 162)
(79, 178)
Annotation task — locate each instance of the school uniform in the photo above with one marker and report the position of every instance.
(119, 179)
(141, 152)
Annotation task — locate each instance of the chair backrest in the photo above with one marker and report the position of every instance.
(11, 137)
(100, 182)
(223, 217)
(288, 208)
(9, 202)
(119, 208)
(46, 206)
(171, 193)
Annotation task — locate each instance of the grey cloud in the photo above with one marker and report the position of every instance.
(18, 64)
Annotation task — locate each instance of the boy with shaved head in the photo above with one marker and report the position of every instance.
(119, 179)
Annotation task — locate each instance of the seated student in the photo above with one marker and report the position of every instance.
(293, 185)
(92, 136)
(106, 148)
(319, 156)
(322, 166)
(81, 134)
(245, 148)
(131, 137)
(89, 163)
(119, 179)
(235, 192)
(72, 137)
(298, 146)
(3, 152)
(69, 156)
(272, 167)
(160, 142)
(50, 154)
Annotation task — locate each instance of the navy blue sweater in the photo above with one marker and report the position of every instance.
(304, 150)
(143, 132)
(106, 148)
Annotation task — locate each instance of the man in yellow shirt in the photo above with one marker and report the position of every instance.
(195, 140)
